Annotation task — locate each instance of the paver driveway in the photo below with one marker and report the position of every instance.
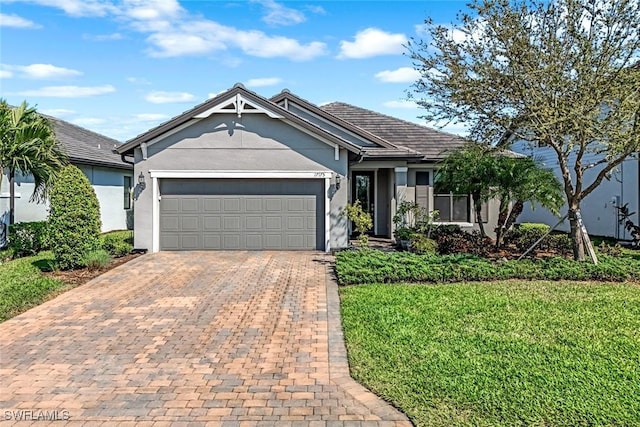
(231, 338)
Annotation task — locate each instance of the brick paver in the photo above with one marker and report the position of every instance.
(199, 338)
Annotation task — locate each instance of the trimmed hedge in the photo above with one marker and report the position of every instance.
(373, 266)
(74, 219)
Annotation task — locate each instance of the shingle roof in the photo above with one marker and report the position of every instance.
(431, 143)
(87, 147)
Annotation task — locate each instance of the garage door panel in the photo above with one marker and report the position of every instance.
(262, 214)
(212, 205)
(190, 223)
(211, 241)
(231, 223)
(190, 205)
(273, 205)
(190, 241)
(273, 223)
(170, 223)
(231, 241)
(253, 223)
(231, 205)
(211, 223)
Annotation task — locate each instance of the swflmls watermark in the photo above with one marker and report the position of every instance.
(37, 415)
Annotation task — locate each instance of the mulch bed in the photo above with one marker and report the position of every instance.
(81, 276)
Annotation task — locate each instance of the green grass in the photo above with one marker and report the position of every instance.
(499, 353)
(22, 284)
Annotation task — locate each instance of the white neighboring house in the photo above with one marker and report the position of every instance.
(599, 209)
(95, 155)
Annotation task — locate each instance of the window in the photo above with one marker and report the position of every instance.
(422, 190)
(127, 192)
(452, 207)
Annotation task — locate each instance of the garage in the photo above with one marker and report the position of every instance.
(241, 214)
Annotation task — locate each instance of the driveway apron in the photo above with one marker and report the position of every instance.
(193, 338)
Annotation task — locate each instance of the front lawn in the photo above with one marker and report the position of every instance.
(499, 353)
(22, 284)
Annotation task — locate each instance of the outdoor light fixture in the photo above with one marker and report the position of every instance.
(141, 179)
(338, 179)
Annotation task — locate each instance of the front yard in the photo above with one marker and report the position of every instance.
(499, 353)
(461, 339)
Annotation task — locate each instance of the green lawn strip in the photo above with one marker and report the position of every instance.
(22, 284)
(499, 353)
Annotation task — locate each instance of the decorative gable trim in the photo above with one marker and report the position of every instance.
(238, 105)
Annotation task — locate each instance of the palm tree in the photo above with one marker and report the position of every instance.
(28, 146)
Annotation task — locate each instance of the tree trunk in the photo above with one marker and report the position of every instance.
(12, 196)
(516, 210)
(477, 206)
(502, 219)
(576, 235)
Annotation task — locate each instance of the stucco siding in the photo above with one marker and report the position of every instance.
(224, 142)
(107, 183)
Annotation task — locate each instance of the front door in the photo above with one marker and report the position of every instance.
(362, 189)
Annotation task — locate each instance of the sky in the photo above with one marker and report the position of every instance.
(121, 67)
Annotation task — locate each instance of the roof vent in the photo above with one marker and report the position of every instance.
(240, 85)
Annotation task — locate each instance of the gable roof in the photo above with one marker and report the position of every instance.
(430, 143)
(87, 147)
(221, 103)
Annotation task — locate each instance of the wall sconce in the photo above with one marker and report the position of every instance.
(141, 179)
(338, 180)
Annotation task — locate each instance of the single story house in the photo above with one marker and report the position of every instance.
(95, 155)
(600, 208)
(241, 171)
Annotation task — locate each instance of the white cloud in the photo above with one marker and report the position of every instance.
(58, 112)
(41, 71)
(316, 9)
(150, 117)
(89, 121)
(160, 97)
(79, 7)
(401, 75)
(173, 31)
(5, 74)
(421, 30)
(69, 91)
(278, 14)
(103, 37)
(372, 42)
(38, 71)
(138, 81)
(16, 21)
(264, 81)
(404, 104)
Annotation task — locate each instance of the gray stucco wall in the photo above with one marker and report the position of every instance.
(253, 142)
(107, 183)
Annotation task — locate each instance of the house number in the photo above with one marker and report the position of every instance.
(319, 174)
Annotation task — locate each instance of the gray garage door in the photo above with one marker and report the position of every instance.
(201, 214)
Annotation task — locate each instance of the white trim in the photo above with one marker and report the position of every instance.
(240, 174)
(239, 103)
(7, 195)
(155, 214)
(327, 215)
(460, 224)
(143, 148)
(401, 169)
(159, 174)
(336, 152)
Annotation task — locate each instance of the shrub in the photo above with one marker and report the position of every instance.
(372, 266)
(421, 244)
(74, 218)
(361, 219)
(117, 243)
(457, 241)
(96, 260)
(28, 238)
